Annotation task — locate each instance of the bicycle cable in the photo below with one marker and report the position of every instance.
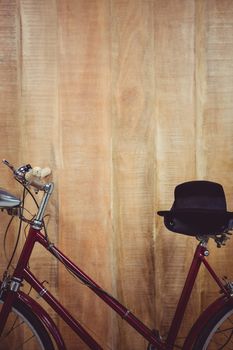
(18, 235)
(26, 191)
(79, 277)
(5, 237)
(36, 203)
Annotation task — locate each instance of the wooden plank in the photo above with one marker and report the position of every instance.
(85, 177)
(133, 161)
(175, 143)
(9, 101)
(20, 96)
(38, 131)
(217, 120)
(9, 127)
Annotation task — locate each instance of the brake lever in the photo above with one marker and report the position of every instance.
(23, 170)
(20, 172)
(4, 161)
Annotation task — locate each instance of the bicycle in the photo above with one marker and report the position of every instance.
(212, 330)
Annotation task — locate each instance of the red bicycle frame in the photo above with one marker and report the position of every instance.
(23, 273)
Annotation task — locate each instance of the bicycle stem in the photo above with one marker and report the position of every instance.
(48, 190)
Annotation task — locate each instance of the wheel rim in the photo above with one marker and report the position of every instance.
(221, 336)
(19, 333)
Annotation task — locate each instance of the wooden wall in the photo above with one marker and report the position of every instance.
(123, 99)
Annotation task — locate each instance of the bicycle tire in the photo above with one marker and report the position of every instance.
(24, 330)
(217, 334)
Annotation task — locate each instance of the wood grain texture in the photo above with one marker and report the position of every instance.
(38, 132)
(133, 160)
(217, 117)
(85, 177)
(175, 142)
(124, 99)
(9, 101)
(9, 77)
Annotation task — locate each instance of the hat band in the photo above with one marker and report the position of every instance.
(201, 203)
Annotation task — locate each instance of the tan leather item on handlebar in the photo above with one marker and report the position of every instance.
(35, 175)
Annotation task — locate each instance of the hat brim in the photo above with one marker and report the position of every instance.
(195, 211)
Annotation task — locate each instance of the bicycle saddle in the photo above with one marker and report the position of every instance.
(7, 200)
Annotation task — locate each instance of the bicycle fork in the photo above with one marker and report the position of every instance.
(11, 285)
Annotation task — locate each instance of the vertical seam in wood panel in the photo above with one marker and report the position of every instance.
(60, 166)
(57, 149)
(19, 71)
(113, 240)
(19, 48)
(60, 163)
(199, 79)
(155, 177)
(157, 184)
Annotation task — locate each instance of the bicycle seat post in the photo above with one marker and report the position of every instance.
(48, 190)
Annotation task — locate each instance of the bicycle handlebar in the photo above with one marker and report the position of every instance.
(35, 175)
(30, 176)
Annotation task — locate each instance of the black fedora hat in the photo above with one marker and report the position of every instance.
(199, 208)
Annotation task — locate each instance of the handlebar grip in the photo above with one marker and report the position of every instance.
(35, 182)
(35, 175)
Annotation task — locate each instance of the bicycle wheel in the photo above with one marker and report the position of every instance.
(24, 330)
(218, 333)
